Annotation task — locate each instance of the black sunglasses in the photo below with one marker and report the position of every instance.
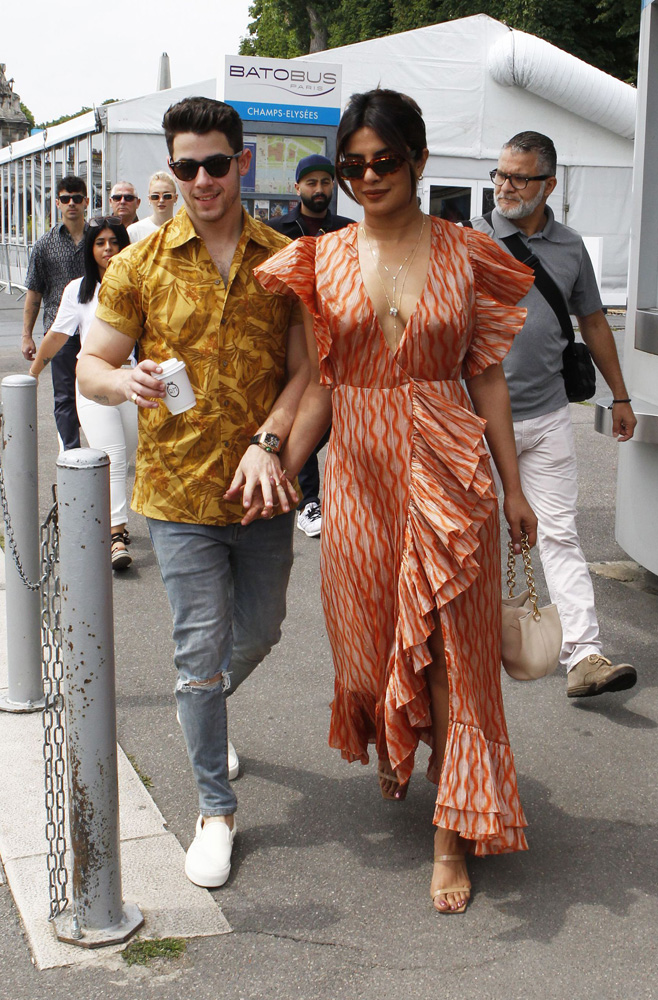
(77, 199)
(123, 197)
(518, 183)
(354, 170)
(103, 221)
(217, 165)
(166, 196)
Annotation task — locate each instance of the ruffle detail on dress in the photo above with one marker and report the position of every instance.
(441, 539)
(500, 281)
(444, 522)
(351, 728)
(478, 794)
(293, 270)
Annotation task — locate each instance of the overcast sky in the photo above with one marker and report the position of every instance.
(66, 55)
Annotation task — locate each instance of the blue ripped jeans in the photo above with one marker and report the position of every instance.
(227, 591)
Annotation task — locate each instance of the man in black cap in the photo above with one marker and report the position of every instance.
(314, 183)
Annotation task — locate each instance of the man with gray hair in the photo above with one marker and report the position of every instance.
(125, 202)
(523, 180)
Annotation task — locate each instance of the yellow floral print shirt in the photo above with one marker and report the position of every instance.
(166, 292)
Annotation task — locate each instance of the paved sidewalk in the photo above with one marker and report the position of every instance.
(329, 894)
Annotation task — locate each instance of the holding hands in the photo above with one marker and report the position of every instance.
(263, 483)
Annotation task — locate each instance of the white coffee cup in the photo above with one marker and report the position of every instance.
(179, 393)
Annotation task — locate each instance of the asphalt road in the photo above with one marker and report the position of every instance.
(329, 893)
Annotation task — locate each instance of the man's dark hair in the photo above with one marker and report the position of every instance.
(72, 185)
(202, 115)
(535, 142)
(395, 118)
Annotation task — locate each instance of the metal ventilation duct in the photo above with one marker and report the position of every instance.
(522, 60)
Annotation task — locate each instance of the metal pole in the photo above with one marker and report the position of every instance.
(98, 915)
(21, 516)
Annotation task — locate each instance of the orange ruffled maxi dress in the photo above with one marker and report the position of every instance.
(410, 515)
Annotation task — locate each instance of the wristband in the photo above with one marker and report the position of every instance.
(618, 401)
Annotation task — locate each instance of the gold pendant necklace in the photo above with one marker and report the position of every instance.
(393, 307)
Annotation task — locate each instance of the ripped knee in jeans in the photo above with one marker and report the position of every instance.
(222, 679)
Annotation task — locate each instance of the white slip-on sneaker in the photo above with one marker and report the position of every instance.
(208, 859)
(233, 762)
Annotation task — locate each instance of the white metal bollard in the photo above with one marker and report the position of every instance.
(98, 915)
(22, 547)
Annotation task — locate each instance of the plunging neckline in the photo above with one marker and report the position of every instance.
(394, 352)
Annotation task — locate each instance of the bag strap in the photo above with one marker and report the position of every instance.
(527, 569)
(543, 281)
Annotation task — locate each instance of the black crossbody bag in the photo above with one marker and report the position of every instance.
(578, 369)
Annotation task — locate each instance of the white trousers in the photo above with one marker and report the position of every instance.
(112, 429)
(547, 462)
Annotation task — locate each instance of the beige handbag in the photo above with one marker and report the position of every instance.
(532, 636)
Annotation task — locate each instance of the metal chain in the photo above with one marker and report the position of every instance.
(529, 575)
(54, 742)
(9, 536)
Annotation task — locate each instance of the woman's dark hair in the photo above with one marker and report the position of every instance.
(202, 115)
(396, 119)
(91, 277)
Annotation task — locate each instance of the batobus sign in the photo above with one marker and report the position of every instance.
(283, 90)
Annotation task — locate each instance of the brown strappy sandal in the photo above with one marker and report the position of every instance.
(390, 775)
(451, 888)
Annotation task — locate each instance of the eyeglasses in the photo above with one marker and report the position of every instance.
(518, 183)
(103, 221)
(354, 170)
(77, 199)
(123, 197)
(165, 196)
(217, 165)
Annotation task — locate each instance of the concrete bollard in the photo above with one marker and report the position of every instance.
(98, 916)
(21, 482)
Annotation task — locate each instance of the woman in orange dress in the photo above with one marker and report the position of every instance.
(400, 309)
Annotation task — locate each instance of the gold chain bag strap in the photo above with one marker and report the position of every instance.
(532, 636)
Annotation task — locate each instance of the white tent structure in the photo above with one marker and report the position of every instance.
(478, 83)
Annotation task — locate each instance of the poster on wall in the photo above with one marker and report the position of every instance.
(276, 158)
(261, 210)
(249, 179)
(283, 90)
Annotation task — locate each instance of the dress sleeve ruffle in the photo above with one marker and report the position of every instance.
(500, 282)
(292, 270)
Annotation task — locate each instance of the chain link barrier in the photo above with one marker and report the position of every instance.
(54, 732)
(54, 742)
(9, 536)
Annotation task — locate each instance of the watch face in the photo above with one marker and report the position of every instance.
(271, 440)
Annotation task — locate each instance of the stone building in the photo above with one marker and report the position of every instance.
(13, 123)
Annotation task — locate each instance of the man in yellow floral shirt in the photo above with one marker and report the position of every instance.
(188, 292)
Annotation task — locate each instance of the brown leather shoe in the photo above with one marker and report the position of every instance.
(596, 675)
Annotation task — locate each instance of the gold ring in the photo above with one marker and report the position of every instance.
(134, 397)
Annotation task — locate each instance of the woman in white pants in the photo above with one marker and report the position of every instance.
(112, 429)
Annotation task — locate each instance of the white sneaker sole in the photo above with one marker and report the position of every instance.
(310, 532)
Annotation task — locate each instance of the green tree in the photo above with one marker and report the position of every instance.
(28, 114)
(76, 114)
(601, 32)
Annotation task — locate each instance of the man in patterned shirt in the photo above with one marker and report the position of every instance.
(56, 259)
(188, 291)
